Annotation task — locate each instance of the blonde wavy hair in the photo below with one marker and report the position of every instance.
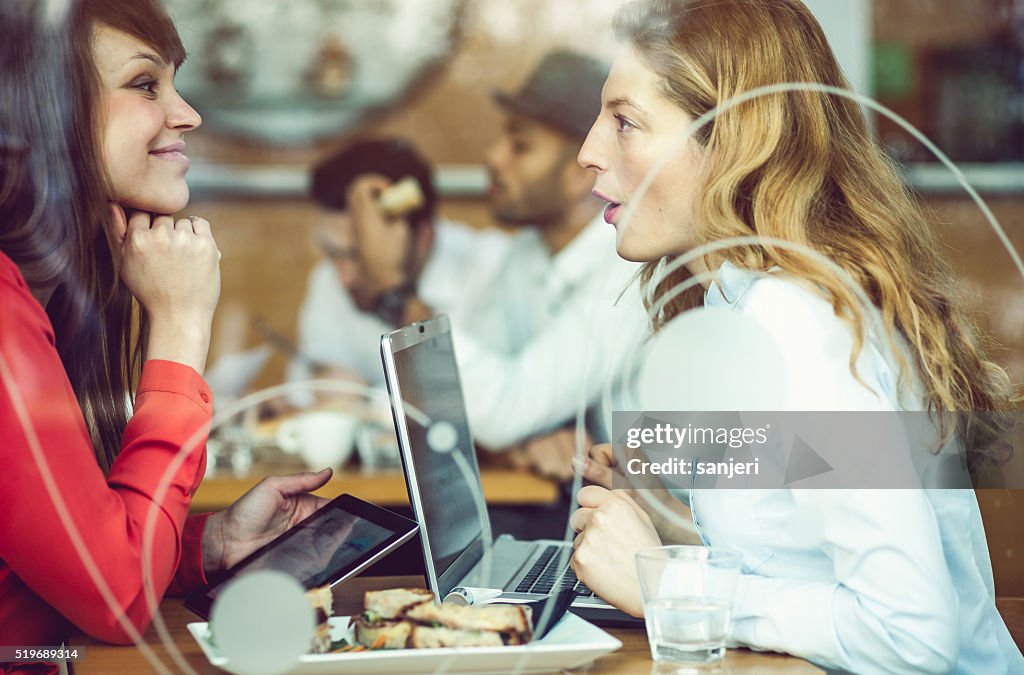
(803, 167)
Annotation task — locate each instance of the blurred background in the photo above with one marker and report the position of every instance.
(281, 84)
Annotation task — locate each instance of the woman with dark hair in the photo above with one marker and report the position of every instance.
(95, 411)
(860, 580)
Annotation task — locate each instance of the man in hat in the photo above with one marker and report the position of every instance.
(548, 331)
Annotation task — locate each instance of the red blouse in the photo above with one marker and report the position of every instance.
(45, 587)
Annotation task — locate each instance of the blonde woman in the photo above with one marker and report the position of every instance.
(861, 580)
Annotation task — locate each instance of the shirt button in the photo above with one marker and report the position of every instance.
(206, 397)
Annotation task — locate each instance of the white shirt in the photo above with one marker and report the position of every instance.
(869, 581)
(549, 333)
(335, 332)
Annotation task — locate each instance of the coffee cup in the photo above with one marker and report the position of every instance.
(323, 438)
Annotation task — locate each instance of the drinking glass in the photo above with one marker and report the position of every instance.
(688, 593)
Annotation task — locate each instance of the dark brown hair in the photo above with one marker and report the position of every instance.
(36, 136)
(55, 195)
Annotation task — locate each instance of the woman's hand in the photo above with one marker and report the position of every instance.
(270, 508)
(172, 269)
(612, 528)
(672, 519)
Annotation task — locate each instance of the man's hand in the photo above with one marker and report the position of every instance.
(672, 519)
(344, 400)
(391, 251)
(612, 528)
(601, 466)
(383, 243)
(552, 455)
(270, 508)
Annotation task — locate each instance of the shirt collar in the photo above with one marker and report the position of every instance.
(730, 284)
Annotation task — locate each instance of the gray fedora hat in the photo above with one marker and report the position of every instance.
(564, 92)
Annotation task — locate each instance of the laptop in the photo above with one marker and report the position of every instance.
(443, 479)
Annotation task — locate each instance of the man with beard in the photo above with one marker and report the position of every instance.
(551, 327)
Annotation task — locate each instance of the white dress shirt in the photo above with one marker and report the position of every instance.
(869, 581)
(548, 334)
(335, 332)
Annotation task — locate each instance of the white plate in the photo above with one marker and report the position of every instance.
(572, 643)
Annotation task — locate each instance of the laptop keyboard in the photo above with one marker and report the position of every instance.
(546, 570)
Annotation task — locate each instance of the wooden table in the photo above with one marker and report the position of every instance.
(502, 486)
(633, 657)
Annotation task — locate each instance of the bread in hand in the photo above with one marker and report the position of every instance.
(401, 197)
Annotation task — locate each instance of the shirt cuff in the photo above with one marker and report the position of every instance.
(176, 378)
(190, 575)
(787, 615)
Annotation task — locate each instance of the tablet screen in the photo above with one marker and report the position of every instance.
(336, 542)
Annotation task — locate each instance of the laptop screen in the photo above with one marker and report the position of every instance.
(428, 378)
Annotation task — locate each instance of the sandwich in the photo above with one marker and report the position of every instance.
(382, 622)
(409, 618)
(425, 637)
(322, 601)
(510, 622)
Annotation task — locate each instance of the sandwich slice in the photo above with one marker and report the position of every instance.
(427, 637)
(394, 602)
(511, 622)
(383, 634)
(322, 601)
(382, 623)
(409, 617)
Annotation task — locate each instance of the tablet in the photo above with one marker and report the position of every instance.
(335, 543)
